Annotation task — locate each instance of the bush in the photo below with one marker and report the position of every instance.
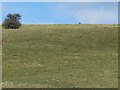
(12, 21)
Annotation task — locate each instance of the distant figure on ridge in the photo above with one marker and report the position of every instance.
(79, 22)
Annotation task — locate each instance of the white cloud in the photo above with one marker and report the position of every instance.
(92, 16)
(92, 13)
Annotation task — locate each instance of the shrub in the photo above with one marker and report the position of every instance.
(12, 21)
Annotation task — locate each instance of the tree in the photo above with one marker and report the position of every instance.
(12, 21)
(79, 22)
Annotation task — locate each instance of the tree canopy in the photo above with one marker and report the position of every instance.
(12, 21)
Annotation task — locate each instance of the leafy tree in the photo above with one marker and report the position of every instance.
(12, 21)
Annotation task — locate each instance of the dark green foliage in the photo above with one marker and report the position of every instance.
(12, 21)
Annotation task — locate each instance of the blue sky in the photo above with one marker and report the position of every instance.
(64, 12)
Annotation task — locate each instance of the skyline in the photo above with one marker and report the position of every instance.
(63, 12)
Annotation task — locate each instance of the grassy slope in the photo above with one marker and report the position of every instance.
(60, 56)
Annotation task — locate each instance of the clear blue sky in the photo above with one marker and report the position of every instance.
(63, 13)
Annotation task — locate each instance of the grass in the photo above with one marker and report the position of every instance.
(60, 56)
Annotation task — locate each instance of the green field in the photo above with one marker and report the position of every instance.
(59, 56)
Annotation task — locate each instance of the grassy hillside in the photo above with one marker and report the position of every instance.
(60, 56)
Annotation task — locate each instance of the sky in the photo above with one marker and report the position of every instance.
(60, 0)
(63, 12)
